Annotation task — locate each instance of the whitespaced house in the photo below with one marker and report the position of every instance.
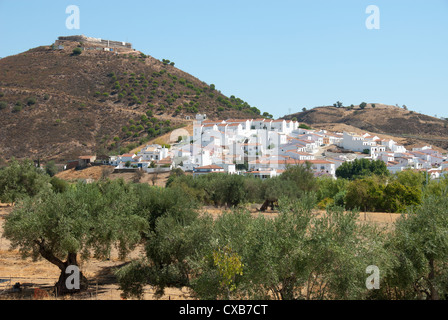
(279, 125)
(262, 124)
(252, 149)
(297, 155)
(332, 138)
(229, 167)
(265, 174)
(359, 143)
(386, 156)
(207, 169)
(319, 139)
(394, 167)
(127, 157)
(308, 145)
(201, 117)
(153, 152)
(291, 125)
(246, 124)
(421, 155)
(236, 128)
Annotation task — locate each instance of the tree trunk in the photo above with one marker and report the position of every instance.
(267, 204)
(62, 287)
(287, 290)
(433, 291)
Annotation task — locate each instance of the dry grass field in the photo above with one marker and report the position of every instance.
(37, 278)
(95, 173)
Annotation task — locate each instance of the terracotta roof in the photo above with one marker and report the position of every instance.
(212, 166)
(210, 121)
(166, 160)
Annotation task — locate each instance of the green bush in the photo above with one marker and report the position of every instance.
(21, 179)
(360, 168)
(77, 51)
(31, 101)
(17, 108)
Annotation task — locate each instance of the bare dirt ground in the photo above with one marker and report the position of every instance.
(95, 173)
(38, 277)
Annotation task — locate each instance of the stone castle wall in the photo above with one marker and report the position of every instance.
(96, 41)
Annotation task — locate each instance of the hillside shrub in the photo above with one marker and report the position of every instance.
(31, 101)
(77, 51)
(17, 108)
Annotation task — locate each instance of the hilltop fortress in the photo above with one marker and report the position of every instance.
(89, 41)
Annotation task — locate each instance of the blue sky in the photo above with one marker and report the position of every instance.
(279, 56)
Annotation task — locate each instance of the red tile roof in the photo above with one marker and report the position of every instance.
(212, 166)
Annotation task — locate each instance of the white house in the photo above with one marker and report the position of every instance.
(153, 153)
(279, 125)
(360, 143)
(246, 124)
(302, 156)
(207, 169)
(265, 174)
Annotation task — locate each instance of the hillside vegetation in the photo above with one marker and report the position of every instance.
(394, 121)
(58, 104)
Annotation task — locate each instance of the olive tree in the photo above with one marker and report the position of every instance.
(85, 220)
(421, 247)
(22, 179)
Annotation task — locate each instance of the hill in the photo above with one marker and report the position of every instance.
(57, 103)
(408, 127)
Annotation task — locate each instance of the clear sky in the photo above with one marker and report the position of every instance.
(279, 56)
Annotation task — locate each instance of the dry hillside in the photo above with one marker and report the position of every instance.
(408, 127)
(58, 105)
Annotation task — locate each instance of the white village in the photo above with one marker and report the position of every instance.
(264, 148)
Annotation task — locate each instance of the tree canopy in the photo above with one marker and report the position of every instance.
(21, 179)
(359, 168)
(86, 219)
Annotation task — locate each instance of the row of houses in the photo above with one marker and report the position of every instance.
(265, 148)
